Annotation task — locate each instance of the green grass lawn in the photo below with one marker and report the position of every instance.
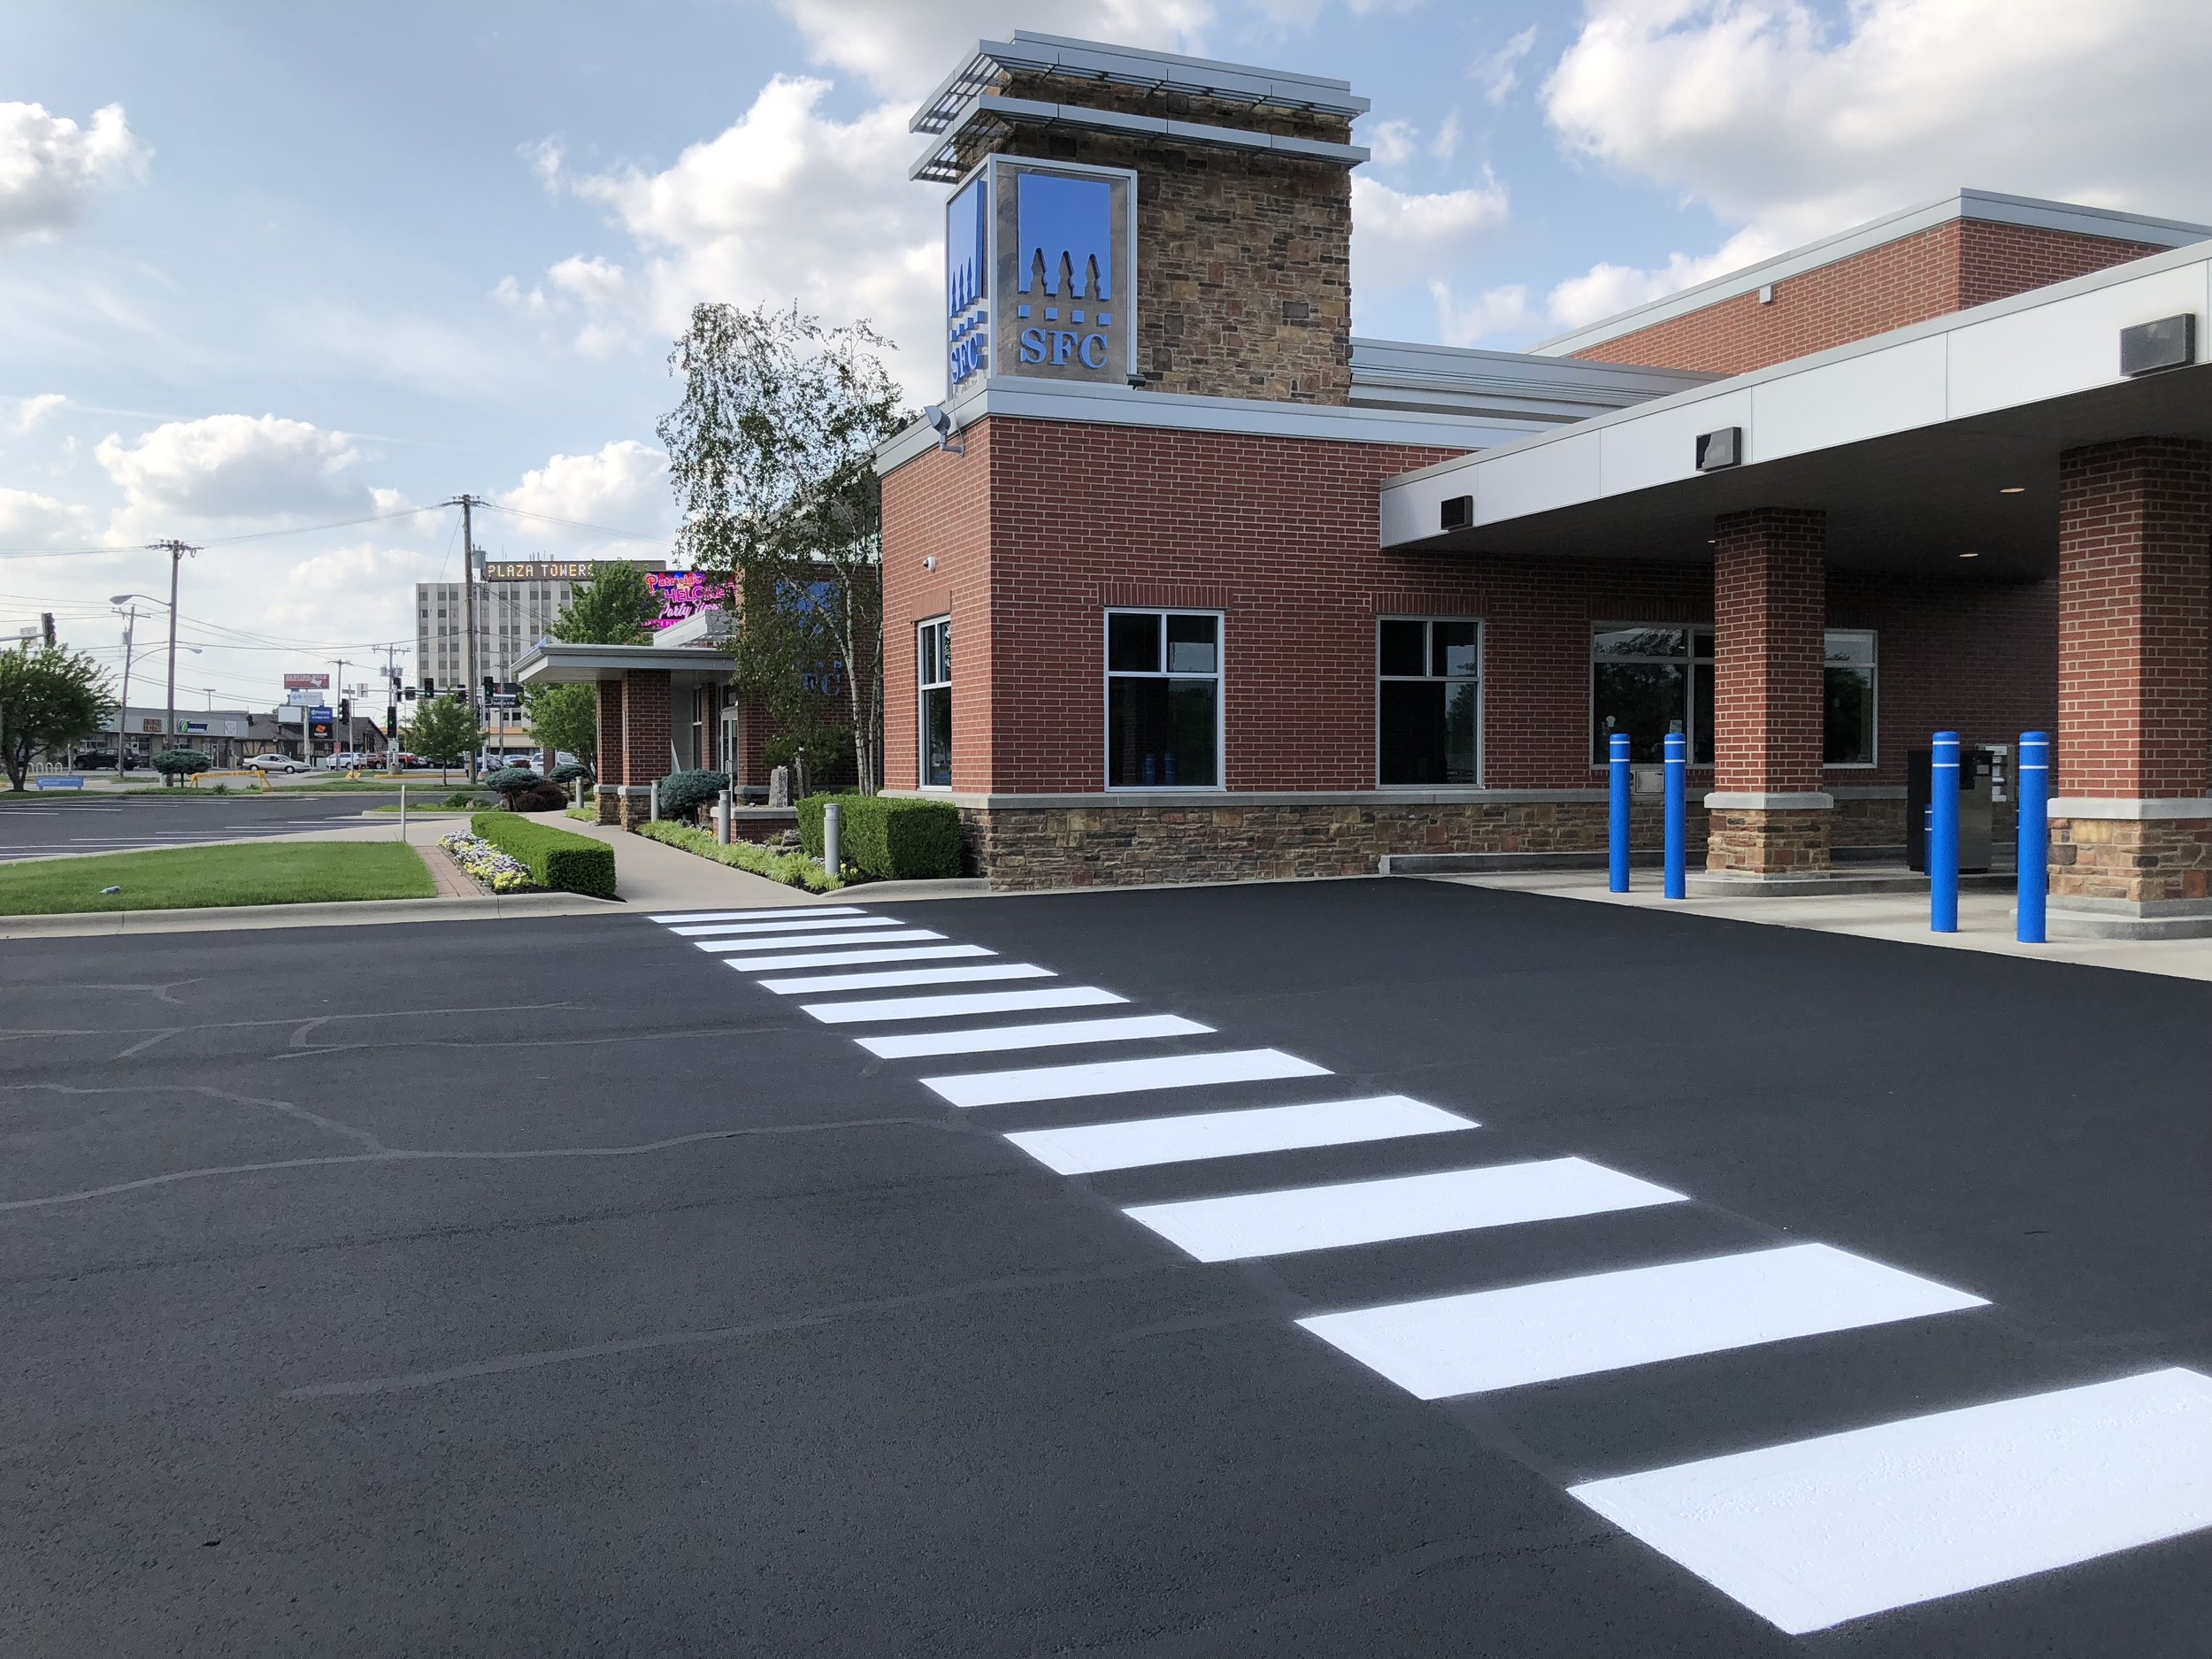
(257, 872)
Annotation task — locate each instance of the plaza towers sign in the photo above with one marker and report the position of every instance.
(1040, 273)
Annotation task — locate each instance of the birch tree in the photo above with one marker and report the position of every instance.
(771, 455)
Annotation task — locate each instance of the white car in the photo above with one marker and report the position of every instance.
(272, 762)
(348, 762)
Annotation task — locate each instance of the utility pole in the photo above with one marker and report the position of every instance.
(338, 687)
(130, 626)
(467, 505)
(391, 706)
(176, 550)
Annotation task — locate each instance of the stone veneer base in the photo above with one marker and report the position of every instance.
(2136, 862)
(1769, 842)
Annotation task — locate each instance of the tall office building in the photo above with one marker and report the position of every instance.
(516, 603)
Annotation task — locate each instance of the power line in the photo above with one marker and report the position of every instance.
(217, 540)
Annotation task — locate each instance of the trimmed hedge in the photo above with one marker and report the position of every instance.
(793, 870)
(557, 858)
(893, 838)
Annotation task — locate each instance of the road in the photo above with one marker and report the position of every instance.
(57, 823)
(561, 1288)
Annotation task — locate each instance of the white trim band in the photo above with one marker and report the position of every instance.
(2129, 811)
(1761, 800)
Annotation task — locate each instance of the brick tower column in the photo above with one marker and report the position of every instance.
(1770, 815)
(2132, 814)
(645, 739)
(607, 793)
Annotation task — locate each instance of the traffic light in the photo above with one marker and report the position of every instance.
(345, 710)
(491, 690)
(429, 687)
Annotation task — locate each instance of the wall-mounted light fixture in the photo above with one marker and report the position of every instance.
(2169, 343)
(1718, 449)
(1457, 513)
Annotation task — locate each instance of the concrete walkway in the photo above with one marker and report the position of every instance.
(652, 877)
(1986, 920)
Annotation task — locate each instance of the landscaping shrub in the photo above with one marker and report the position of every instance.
(684, 793)
(178, 763)
(511, 781)
(569, 773)
(793, 870)
(556, 857)
(893, 838)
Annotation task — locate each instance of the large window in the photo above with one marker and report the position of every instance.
(1649, 680)
(1428, 697)
(933, 675)
(1849, 697)
(1162, 700)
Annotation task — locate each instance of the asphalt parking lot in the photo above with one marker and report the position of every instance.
(59, 822)
(554, 1287)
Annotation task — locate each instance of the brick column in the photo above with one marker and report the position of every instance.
(2131, 814)
(645, 738)
(1769, 815)
(608, 791)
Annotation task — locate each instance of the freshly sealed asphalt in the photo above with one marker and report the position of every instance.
(550, 1286)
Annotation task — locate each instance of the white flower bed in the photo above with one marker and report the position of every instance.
(497, 870)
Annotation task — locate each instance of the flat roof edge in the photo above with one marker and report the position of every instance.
(1990, 206)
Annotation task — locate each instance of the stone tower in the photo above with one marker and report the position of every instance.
(1244, 199)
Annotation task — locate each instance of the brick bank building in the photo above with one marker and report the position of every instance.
(1184, 580)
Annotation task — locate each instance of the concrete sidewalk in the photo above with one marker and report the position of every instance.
(652, 877)
(1986, 920)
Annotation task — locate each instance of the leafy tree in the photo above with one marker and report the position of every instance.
(48, 699)
(444, 730)
(771, 455)
(611, 608)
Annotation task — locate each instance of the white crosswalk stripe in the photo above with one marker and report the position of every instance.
(787, 925)
(1090, 1148)
(1809, 1534)
(887, 978)
(839, 958)
(807, 941)
(784, 913)
(1059, 1035)
(1396, 1207)
(1569, 1327)
(1119, 1077)
(956, 1005)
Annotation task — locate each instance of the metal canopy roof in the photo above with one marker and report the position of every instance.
(552, 663)
(1908, 441)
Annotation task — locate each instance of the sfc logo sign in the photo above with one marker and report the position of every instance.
(1040, 273)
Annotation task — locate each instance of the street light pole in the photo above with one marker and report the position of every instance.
(123, 708)
(176, 551)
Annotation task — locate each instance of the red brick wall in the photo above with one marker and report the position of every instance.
(1281, 535)
(609, 767)
(1769, 604)
(645, 715)
(1930, 273)
(2135, 598)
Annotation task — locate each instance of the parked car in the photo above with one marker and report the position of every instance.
(100, 760)
(272, 762)
(404, 759)
(351, 760)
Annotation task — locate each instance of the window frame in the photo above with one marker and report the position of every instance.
(1108, 674)
(1688, 662)
(1873, 666)
(1481, 678)
(922, 688)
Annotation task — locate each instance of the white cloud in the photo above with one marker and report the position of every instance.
(903, 48)
(1775, 120)
(787, 202)
(1399, 237)
(231, 468)
(49, 166)
(32, 520)
(1393, 144)
(1500, 72)
(1493, 312)
(30, 410)
(1606, 289)
(623, 486)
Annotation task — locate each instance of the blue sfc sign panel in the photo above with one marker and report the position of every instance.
(1040, 273)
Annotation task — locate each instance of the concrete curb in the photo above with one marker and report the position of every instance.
(354, 913)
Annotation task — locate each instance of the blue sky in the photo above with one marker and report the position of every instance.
(325, 262)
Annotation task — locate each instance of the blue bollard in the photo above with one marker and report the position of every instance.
(2034, 794)
(1943, 835)
(1616, 816)
(1678, 762)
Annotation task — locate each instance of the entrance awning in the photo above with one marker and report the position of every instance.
(552, 663)
(1922, 445)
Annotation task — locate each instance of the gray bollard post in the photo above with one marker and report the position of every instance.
(653, 802)
(832, 850)
(403, 811)
(729, 814)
